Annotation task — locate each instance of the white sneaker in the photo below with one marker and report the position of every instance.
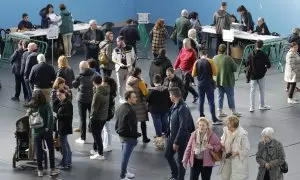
(93, 152)
(40, 173)
(251, 109)
(222, 114)
(107, 149)
(265, 107)
(129, 175)
(125, 178)
(97, 157)
(237, 114)
(122, 101)
(292, 101)
(80, 141)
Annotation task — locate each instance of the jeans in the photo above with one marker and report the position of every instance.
(66, 150)
(67, 41)
(209, 91)
(97, 127)
(291, 89)
(82, 108)
(229, 91)
(19, 80)
(39, 138)
(107, 136)
(93, 53)
(121, 80)
(160, 121)
(199, 168)
(29, 90)
(177, 169)
(261, 86)
(107, 72)
(187, 79)
(127, 148)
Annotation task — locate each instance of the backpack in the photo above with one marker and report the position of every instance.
(102, 55)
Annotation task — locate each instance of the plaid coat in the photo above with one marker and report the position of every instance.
(158, 37)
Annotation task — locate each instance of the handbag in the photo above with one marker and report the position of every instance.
(102, 56)
(284, 168)
(36, 120)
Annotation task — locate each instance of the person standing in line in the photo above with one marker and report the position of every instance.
(65, 71)
(83, 82)
(181, 125)
(92, 39)
(124, 57)
(23, 64)
(257, 63)
(98, 117)
(66, 29)
(197, 154)
(222, 20)
(172, 80)
(130, 34)
(93, 66)
(204, 69)
(16, 61)
(136, 84)
(185, 61)
(292, 71)
(225, 80)
(246, 18)
(181, 28)
(106, 46)
(126, 128)
(158, 36)
(107, 135)
(192, 34)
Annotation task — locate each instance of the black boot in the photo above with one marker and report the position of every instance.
(144, 132)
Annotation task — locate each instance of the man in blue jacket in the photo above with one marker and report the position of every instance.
(181, 125)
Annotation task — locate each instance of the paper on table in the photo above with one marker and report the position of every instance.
(228, 35)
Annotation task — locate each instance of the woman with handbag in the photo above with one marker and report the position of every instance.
(201, 151)
(270, 156)
(41, 122)
(236, 147)
(105, 55)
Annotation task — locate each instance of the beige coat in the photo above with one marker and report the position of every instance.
(292, 67)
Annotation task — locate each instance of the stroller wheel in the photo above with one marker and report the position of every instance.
(14, 160)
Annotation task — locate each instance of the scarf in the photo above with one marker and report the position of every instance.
(229, 138)
(201, 142)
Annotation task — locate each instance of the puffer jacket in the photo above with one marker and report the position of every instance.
(100, 104)
(292, 67)
(84, 84)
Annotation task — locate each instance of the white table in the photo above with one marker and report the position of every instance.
(43, 32)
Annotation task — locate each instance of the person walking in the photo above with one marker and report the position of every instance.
(106, 47)
(258, 63)
(172, 80)
(158, 36)
(126, 128)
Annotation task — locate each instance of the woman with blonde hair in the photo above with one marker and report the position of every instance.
(65, 71)
(158, 35)
(236, 147)
(198, 153)
(192, 34)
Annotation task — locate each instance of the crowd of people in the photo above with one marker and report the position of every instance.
(49, 93)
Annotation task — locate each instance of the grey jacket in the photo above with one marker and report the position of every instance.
(100, 104)
(273, 154)
(84, 84)
(222, 21)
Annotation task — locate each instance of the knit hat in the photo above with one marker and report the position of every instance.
(222, 48)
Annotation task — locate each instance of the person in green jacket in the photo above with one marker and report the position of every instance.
(66, 29)
(181, 28)
(225, 80)
(38, 103)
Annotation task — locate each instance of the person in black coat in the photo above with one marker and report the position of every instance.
(181, 125)
(45, 21)
(65, 71)
(159, 66)
(92, 39)
(262, 28)
(15, 61)
(172, 80)
(246, 18)
(64, 114)
(130, 34)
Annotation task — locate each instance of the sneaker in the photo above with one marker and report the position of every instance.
(122, 101)
(217, 122)
(15, 99)
(97, 157)
(237, 114)
(292, 101)
(125, 178)
(54, 172)
(195, 99)
(129, 175)
(107, 149)
(80, 141)
(251, 109)
(40, 173)
(76, 130)
(221, 114)
(93, 152)
(264, 107)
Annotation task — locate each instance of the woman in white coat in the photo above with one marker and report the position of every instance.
(292, 71)
(234, 164)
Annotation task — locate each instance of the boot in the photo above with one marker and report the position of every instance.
(144, 132)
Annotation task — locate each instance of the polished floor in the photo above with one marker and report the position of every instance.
(146, 162)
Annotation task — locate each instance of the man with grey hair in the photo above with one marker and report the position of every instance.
(181, 28)
(42, 76)
(92, 39)
(262, 28)
(181, 125)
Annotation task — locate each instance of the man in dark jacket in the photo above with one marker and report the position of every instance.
(130, 34)
(222, 21)
(91, 39)
(181, 125)
(159, 65)
(172, 80)
(99, 114)
(182, 26)
(42, 76)
(83, 82)
(126, 127)
(25, 24)
(15, 61)
(258, 63)
(262, 28)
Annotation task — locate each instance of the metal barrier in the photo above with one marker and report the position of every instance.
(275, 50)
(143, 44)
(11, 44)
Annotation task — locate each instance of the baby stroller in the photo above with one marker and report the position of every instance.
(24, 143)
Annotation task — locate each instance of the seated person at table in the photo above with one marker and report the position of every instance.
(262, 28)
(233, 19)
(25, 24)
